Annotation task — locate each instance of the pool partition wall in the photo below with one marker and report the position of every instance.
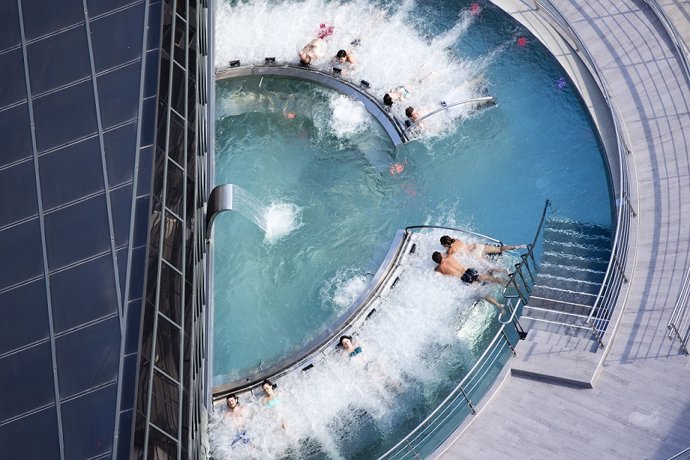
(461, 400)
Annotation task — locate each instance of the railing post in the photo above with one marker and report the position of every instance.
(503, 333)
(469, 402)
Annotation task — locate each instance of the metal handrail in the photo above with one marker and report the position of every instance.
(681, 316)
(676, 38)
(444, 107)
(469, 232)
(405, 445)
(615, 273)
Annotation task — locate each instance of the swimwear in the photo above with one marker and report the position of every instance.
(356, 351)
(240, 436)
(325, 31)
(272, 402)
(470, 276)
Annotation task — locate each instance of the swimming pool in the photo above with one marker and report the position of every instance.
(334, 172)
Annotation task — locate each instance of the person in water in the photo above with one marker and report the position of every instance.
(234, 412)
(453, 246)
(343, 57)
(270, 398)
(412, 114)
(348, 346)
(449, 266)
(233, 406)
(313, 51)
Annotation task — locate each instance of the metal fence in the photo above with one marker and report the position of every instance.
(679, 324)
(615, 277)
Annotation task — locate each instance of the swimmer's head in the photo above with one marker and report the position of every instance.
(387, 100)
(304, 58)
(345, 341)
(437, 257)
(409, 111)
(446, 241)
(232, 401)
(341, 55)
(268, 387)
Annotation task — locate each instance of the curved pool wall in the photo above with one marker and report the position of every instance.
(389, 123)
(600, 117)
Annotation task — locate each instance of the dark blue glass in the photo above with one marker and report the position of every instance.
(23, 316)
(58, 60)
(121, 204)
(65, 115)
(9, 32)
(41, 17)
(17, 193)
(88, 422)
(20, 244)
(120, 149)
(18, 145)
(12, 77)
(77, 231)
(83, 293)
(34, 436)
(88, 357)
(27, 378)
(117, 38)
(120, 88)
(70, 173)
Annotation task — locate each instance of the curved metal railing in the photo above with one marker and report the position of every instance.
(444, 107)
(676, 38)
(679, 324)
(450, 413)
(615, 276)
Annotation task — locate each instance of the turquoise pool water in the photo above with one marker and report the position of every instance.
(489, 171)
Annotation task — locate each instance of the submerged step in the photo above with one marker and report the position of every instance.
(572, 272)
(567, 284)
(563, 295)
(557, 306)
(577, 249)
(579, 227)
(575, 261)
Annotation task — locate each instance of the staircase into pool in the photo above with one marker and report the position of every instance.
(573, 264)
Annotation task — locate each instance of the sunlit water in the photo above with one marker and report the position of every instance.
(340, 192)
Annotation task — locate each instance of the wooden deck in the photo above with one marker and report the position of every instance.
(638, 403)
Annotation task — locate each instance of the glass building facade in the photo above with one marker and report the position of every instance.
(103, 115)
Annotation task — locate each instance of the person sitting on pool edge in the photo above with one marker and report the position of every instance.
(454, 246)
(449, 266)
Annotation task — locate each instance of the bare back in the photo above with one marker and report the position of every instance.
(450, 266)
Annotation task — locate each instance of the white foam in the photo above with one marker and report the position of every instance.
(348, 117)
(394, 49)
(281, 219)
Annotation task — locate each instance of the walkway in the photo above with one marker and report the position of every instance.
(640, 402)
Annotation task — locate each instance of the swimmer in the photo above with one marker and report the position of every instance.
(233, 406)
(325, 31)
(343, 56)
(348, 346)
(270, 399)
(449, 266)
(290, 115)
(313, 51)
(397, 94)
(412, 114)
(453, 246)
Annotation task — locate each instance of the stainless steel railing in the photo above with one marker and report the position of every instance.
(679, 324)
(615, 276)
(448, 415)
(681, 46)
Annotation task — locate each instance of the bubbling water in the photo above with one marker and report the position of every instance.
(388, 42)
(280, 219)
(426, 333)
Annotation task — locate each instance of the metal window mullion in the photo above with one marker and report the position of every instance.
(41, 223)
(160, 245)
(172, 213)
